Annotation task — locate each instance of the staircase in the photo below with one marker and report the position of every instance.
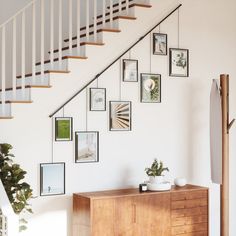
(43, 38)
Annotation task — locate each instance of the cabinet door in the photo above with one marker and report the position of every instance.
(153, 215)
(125, 216)
(103, 217)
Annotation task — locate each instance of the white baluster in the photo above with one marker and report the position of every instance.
(120, 6)
(95, 20)
(70, 26)
(51, 33)
(3, 68)
(111, 13)
(78, 27)
(42, 38)
(103, 13)
(23, 54)
(87, 20)
(60, 33)
(127, 7)
(33, 43)
(14, 58)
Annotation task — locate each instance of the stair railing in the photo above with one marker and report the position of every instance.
(32, 41)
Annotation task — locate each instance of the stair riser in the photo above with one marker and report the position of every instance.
(47, 66)
(20, 96)
(6, 111)
(37, 81)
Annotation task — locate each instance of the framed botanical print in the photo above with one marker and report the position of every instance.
(63, 128)
(52, 179)
(179, 62)
(150, 88)
(97, 99)
(120, 116)
(159, 44)
(130, 70)
(86, 146)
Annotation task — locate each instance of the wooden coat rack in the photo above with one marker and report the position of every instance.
(224, 188)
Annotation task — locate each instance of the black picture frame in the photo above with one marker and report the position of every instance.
(150, 84)
(86, 157)
(159, 47)
(121, 123)
(51, 179)
(178, 57)
(60, 131)
(91, 99)
(133, 72)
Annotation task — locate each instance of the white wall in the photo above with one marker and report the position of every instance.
(175, 131)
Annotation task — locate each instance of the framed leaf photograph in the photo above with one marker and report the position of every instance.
(120, 116)
(159, 44)
(150, 88)
(179, 62)
(86, 146)
(130, 70)
(63, 128)
(97, 99)
(52, 179)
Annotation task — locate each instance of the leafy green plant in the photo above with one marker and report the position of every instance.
(12, 176)
(156, 169)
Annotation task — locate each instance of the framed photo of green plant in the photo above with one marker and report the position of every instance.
(52, 179)
(63, 128)
(179, 62)
(150, 88)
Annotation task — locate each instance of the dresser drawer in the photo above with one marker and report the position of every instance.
(186, 229)
(189, 203)
(196, 211)
(189, 220)
(189, 195)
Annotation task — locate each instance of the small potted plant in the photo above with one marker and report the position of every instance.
(155, 172)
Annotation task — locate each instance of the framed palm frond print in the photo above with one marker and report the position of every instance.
(130, 70)
(150, 88)
(52, 179)
(159, 44)
(86, 146)
(179, 62)
(63, 128)
(97, 99)
(120, 116)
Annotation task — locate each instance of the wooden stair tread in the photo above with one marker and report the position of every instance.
(81, 44)
(28, 86)
(6, 117)
(45, 72)
(112, 30)
(63, 58)
(17, 101)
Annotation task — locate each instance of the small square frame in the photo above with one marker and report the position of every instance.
(159, 44)
(51, 179)
(179, 58)
(69, 127)
(133, 72)
(91, 99)
(84, 160)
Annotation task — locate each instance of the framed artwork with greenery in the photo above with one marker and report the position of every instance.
(86, 146)
(52, 179)
(179, 62)
(150, 88)
(63, 128)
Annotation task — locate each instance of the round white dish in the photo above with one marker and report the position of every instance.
(180, 182)
(164, 186)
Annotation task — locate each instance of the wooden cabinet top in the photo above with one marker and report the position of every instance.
(135, 192)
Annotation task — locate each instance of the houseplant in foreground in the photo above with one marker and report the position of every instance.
(12, 176)
(155, 172)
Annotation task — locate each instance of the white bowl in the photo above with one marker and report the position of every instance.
(180, 182)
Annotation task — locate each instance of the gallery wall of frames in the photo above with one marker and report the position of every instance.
(119, 111)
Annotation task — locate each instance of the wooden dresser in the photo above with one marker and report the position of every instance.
(126, 212)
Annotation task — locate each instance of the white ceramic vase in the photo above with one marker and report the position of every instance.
(156, 179)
